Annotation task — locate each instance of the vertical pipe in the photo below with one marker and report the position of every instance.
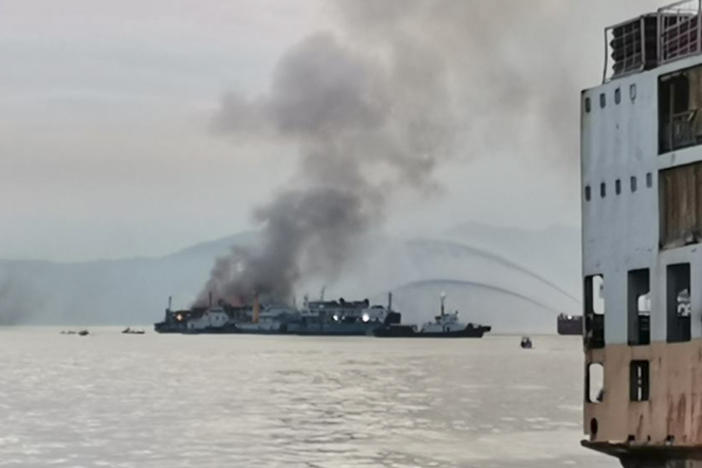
(210, 299)
(659, 38)
(699, 31)
(642, 45)
(256, 309)
(606, 54)
(170, 299)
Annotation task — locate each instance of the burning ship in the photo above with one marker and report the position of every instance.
(211, 319)
(324, 318)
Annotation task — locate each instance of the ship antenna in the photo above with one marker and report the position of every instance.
(170, 299)
(321, 293)
(443, 299)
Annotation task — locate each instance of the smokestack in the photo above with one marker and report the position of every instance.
(389, 301)
(256, 309)
(170, 299)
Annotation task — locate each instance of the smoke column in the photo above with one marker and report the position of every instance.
(373, 107)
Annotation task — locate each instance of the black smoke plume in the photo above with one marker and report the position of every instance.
(373, 107)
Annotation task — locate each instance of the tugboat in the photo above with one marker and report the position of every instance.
(444, 326)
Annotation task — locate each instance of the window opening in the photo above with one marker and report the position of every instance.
(603, 190)
(594, 311)
(595, 382)
(680, 109)
(617, 96)
(603, 100)
(639, 307)
(618, 186)
(633, 184)
(587, 105)
(587, 193)
(680, 202)
(649, 180)
(639, 381)
(678, 302)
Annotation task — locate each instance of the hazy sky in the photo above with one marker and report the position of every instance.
(107, 147)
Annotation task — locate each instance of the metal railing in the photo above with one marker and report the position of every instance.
(681, 131)
(672, 33)
(679, 32)
(624, 44)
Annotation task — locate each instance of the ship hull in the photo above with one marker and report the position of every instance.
(226, 330)
(406, 331)
(570, 326)
(167, 328)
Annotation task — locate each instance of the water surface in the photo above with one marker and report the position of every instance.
(113, 400)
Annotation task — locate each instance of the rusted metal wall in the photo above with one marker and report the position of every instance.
(681, 205)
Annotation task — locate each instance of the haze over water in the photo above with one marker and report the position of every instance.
(210, 401)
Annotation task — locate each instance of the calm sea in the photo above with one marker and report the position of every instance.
(113, 400)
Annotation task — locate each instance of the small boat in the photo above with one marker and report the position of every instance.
(130, 331)
(526, 343)
(83, 332)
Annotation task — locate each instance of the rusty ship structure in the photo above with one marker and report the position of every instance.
(641, 159)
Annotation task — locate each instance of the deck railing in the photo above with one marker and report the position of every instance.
(672, 33)
(679, 33)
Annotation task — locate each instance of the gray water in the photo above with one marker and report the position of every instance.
(113, 400)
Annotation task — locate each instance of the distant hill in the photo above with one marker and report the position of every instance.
(513, 279)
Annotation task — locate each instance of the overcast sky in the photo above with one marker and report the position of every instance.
(107, 147)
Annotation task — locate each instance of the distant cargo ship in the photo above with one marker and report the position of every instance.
(444, 326)
(569, 324)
